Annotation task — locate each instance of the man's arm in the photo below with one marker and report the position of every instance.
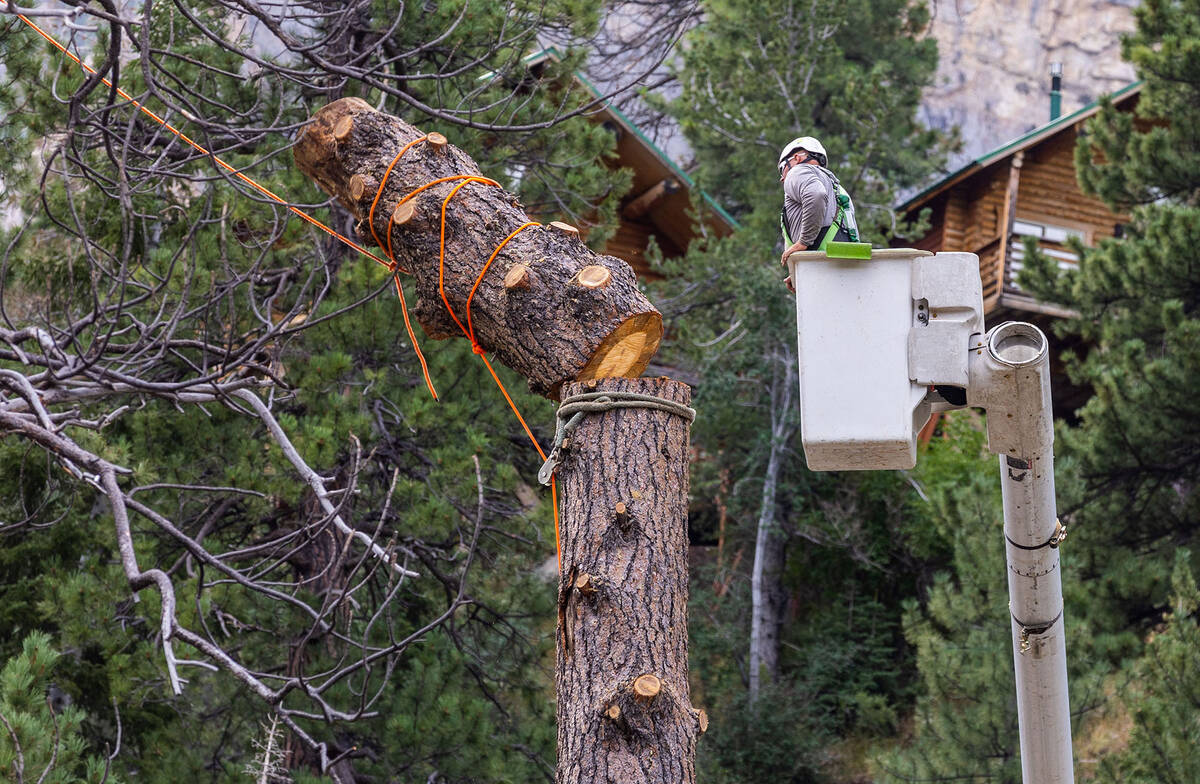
(803, 188)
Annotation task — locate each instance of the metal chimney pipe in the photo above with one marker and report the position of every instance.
(1056, 70)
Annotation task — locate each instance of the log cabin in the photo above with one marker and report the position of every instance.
(659, 203)
(1026, 188)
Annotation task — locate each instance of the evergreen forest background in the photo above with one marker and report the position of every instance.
(892, 660)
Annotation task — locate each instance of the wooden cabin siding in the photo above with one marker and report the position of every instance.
(983, 207)
(630, 242)
(954, 233)
(934, 238)
(1050, 193)
(984, 202)
(1028, 188)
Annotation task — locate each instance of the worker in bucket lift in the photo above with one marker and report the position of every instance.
(816, 208)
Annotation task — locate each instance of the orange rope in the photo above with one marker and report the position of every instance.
(392, 265)
(482, 272)
(256, 186)
(469, 330)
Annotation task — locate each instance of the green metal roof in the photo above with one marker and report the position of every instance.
(1020, 143)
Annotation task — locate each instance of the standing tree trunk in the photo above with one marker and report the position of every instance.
(767, 597)
(623, 709)
(549, 307)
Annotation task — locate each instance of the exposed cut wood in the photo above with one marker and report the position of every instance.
(593, 277)
(403, 213)
(517, 277)
(585, 584)
(342, 130)
(702, 719)
(556, 333)
(626, 349)
(565, 228)
(647, 686)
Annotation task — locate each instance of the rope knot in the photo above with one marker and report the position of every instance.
(478, 349)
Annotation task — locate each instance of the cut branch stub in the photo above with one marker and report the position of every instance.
(585, 583)
(517, 277)
(555, 331)
(647, 686)
(593, 276)
(404, 213)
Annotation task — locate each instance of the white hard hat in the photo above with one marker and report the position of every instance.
(806, 143)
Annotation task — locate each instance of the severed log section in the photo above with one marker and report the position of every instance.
(549, 307)
(624, 715)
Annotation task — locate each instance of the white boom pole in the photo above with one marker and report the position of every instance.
(881, 340)
(1010, 377)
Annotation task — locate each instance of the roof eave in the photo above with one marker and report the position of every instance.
(628, 125)
(1020, 143)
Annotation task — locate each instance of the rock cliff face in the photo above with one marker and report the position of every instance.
(993, 77)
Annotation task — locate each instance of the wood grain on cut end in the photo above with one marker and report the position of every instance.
(517, 277)
(647, 686)
(565, 228)
(613, 712)
(585, 584)
(342, 128)
(627, 350)
(404, 213)
(436, 140)
(593, 276)
(358, 184)
(702, 720)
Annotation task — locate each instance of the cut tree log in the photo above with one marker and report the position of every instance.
(623, 709)
(549, 324)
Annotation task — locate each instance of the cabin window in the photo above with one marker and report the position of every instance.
(1047, 232)
(1051, 241)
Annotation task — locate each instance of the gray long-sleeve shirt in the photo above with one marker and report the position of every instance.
(809, 202)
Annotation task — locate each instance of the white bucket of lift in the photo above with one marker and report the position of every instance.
(864, 378)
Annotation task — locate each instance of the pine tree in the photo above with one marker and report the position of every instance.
(965, 722)
(1136, 450)
(752, 77)
(1132, 463)
(1164, 746)
(41, 737)
(469, 696)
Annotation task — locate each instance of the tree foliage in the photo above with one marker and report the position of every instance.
(1137, 447)
(822, 559)
(1164, 745)
(261, 505)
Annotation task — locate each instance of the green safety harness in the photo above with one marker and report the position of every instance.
(843, 220)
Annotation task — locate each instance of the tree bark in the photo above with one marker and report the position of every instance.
(571, 314)
(623, 709)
